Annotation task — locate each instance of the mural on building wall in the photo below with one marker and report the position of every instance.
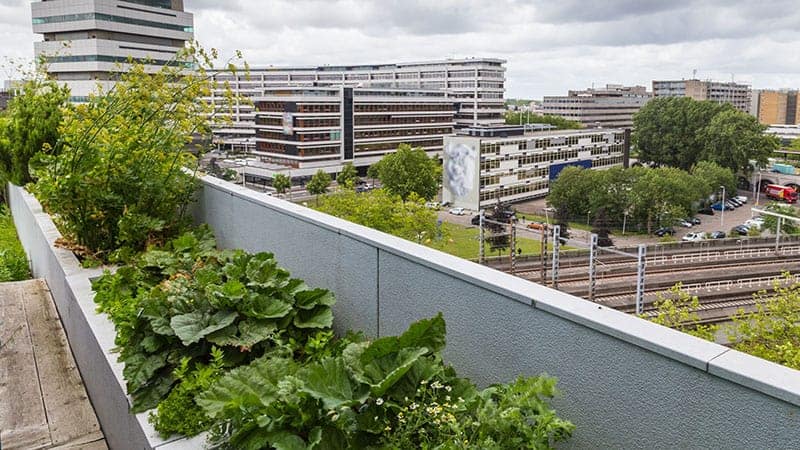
(459, 166)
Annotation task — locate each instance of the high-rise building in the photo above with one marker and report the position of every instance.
(475, 85)
(736, 94)
(88, 42)
(777, 107)
(609, 107)
(325, 127)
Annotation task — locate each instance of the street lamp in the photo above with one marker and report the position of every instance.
(758, 188)
(722, 214)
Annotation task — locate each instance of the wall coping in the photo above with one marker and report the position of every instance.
(755, 373)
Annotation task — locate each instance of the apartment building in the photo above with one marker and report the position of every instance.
(88, 42)
(777, 107)
(508, 165)
(325, 127)
(609, 107)
(475, 85)
(736, 94)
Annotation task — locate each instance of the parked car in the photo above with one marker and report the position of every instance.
(432, 205)
(457, 211)
(741, 198)
(663, 231)
(694, 220)
(536, 226)
(706, 211)
(736, 203)
(717, 235)
(476, 219)
(685, 223)
(753, 223)
(718, 207)
(693, 237)
(741, 230)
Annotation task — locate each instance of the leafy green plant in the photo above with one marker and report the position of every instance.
(13, 261)
(678, 311)
(393, 392)
(771, 331)
(172, 306)
(118, 180)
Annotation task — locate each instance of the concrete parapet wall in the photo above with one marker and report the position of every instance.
(626, 382)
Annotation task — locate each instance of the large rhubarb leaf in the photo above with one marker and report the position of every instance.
(330, 382)
(319, 317)
(192, 327)
(139, 368)
(311, 298)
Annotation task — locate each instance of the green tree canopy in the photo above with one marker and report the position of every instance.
(732, 138)
(281, 183)
(518, 117)
(409, 170)
(667, 130)
(348, 177)
(714, 176)
(319, 183)
(31, 127)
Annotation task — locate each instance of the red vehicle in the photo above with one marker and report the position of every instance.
(778, 192)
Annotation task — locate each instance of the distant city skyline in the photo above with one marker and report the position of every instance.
(551, 47)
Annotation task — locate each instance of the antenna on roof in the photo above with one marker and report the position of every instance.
(694, 74)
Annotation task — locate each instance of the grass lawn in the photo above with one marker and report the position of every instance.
(13, 262)
(465, 243)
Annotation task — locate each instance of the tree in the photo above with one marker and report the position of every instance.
(714, 176)
(281, 183)
(119, 181)
(771, 331)
(667, 130)
(409, 170)
(319, 183)
(787, 226)
(733, 138)
(31, 127)
(678, 310)
(385, 212)
(373, 171)
(601, 228)
(519, 117)
(348, 177)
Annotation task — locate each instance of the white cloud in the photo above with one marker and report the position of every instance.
(550, 46)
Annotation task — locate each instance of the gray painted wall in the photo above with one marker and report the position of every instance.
(626, 383)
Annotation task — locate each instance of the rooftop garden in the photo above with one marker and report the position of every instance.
(222, 340)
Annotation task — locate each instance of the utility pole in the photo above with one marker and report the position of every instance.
(513, 246)
(545, 231)
(640, 278)
(592, 265)
(556, 245)
(481, 249)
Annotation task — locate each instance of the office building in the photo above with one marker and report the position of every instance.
(609, 107)
(475, 85)
(325, 127)
(736, 94)
(777, 107)
(506, 164)
(88, 42)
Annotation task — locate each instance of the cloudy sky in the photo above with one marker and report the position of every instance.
(550, 45)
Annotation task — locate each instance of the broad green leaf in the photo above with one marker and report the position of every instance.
(319, 317)
(139, 368)
(252, 332)
(262, 306)
(151, 394)
(385, 371)
(207, 276)
(233, 289)
(330, 382)
(283, 440)
(255, 385)
(428, 333)
(192, 327)
(225, 336)
(311, 298)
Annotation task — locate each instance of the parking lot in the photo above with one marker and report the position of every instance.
(717, 222)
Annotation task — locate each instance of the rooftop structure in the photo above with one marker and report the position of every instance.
(475, 85)
(88, 43)
(480, 171)
(736, 94)
(609, 107)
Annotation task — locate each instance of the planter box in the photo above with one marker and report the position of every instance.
(91, 335)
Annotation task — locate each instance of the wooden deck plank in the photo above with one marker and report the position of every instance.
(23, 423)
(69, 413)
